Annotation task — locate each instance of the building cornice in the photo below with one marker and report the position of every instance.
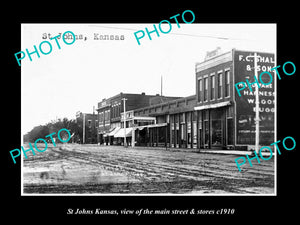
(223, 58)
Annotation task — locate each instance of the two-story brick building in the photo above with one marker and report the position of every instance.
(88, 123)
(109, 114)
(216, 116)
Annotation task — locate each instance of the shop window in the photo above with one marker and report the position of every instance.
(194, 115)
(194, 134)
(183, 135)
(206, 133)
(189, 134)
(216, 137)
(200, 135)
(229, 131)
(182, 117)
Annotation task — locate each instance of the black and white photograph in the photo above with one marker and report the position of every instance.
(137, 112)
(152, 114)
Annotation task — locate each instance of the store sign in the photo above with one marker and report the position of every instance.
(78, 113)
(245, 104)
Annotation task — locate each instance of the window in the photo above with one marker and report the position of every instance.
(205, 88)
(227, 81)
(199, 90)
(101, 117)
(219, 85)
(119, 110)
(89, 123)
(113, 111)
(212, 88)
(107, 115)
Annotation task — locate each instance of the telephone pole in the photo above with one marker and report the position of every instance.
(256, 107)
(124, 120)
(83, 127)
(255, 56)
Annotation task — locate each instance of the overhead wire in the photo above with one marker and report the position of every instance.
(183, 34)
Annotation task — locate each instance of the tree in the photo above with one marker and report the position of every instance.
(37, 132)
(54, 126)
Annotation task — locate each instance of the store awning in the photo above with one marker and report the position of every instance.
(120, 132)
(114, 131)
(212, 106)
(144, 118)
(151, 126)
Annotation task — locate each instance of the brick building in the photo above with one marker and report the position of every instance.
(88, 122)
(172, 126)
(109, 114)
(216, 116)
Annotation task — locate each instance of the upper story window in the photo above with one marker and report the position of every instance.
(220, 85)
(212, 87)
(205, 97)
(200, 90)
(101, 118)
(227, 83)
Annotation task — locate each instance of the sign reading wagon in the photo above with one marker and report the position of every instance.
(245, 99)
(62, 137)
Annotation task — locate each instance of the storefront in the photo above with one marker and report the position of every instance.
(215, 126)
(153, 135)
(183, 130)
(121, 133)
(215, 117)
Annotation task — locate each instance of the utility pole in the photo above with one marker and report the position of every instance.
(256, 107)
(83, 124)
(124, 120)
(255, 56)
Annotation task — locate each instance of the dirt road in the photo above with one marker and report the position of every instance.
(92, 169)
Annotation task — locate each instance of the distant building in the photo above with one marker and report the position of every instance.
(172, 125)
(88, 122)
(109, 114)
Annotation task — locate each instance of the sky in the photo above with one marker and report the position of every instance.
(78, 76)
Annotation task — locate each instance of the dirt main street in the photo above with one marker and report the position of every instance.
(93, 169)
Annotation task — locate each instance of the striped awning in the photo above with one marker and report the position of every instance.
(120, 132)
(114, 131)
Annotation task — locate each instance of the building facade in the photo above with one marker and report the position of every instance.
(109, 114)
(165, 131)
(216, 117)
(88, 122)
